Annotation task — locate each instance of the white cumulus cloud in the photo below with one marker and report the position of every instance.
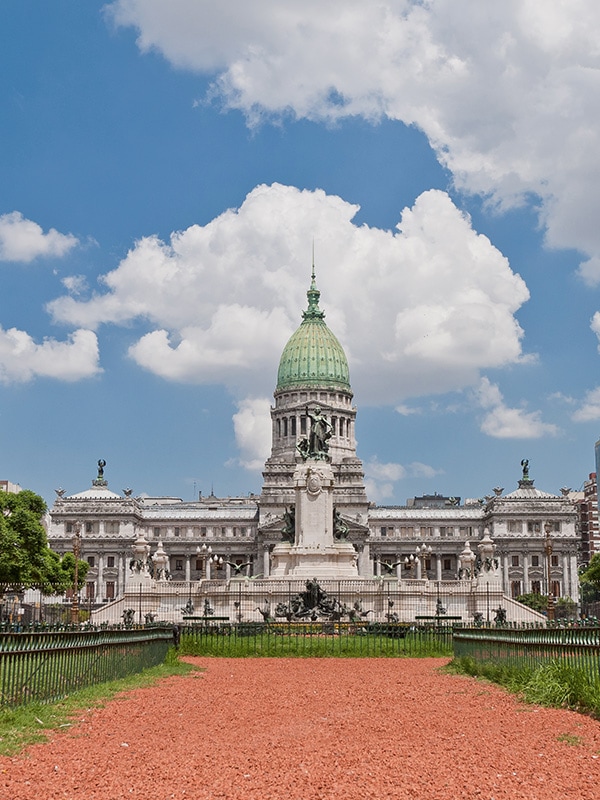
(504, 422)
(22, 359)
(505, 92)
(24, 240)
(589, 410)
(252, 425)
(380, 478)
(419, 310)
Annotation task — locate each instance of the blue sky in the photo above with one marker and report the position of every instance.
(164, 169)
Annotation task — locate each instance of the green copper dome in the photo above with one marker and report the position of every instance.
(313, 356)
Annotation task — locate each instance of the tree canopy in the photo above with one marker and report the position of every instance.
(591, 574)
(25, 558)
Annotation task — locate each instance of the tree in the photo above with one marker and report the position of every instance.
(591, 574)
(25, 558)
(539, 602)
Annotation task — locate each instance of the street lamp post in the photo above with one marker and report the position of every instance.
(548, 550)
(76, 553)
(205, 552)
(209, 559)
(419, 560)
(423, 553)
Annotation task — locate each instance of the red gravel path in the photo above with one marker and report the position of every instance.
(314, 729)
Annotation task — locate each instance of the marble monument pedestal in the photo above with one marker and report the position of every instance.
(315, 551)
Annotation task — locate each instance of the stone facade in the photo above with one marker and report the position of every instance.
(223, 538)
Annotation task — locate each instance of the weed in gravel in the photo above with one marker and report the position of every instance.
(569, 738)
(555, 684)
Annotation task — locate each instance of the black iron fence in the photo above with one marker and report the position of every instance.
(46, 665)
(316, 639)
(532, 647)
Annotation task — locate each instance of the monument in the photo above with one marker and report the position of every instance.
(317, 546)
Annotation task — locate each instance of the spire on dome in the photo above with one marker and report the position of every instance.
(313, 311)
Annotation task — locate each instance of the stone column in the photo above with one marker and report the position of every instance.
(566, 582)
(574, 578)
(227, 571)
(525, 573)
(505, 582)
(207, 567)
(266, 561)
(365, 565)
(398, 559)
(377, 567)
(99, 579)
(121, 580)
(438, 566)
(188, 573)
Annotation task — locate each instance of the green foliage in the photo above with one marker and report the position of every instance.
(23, 726)
(539, 602)
(565, 608)
(556, 684)
(589, 593)
(25, 558)
(591, 575)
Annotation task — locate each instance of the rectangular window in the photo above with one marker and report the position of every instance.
(110, 561)
(91, 561)
(515, 588)
(536, 587)
(303, 425)
(535, 561)
(556, 588)
(110, 590)
(176, 531)
(554, 561)
(383, 531)
(90, 590)
(88, 527)
(515, 561)
(69, 527)
(202, 531)
(179, 565)
(514, 526)
(198, 565)
(426, 532)
(534, 526)
(447, 564)
(156, 532)
(234, 531)
(293, 425)
(408, 532)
